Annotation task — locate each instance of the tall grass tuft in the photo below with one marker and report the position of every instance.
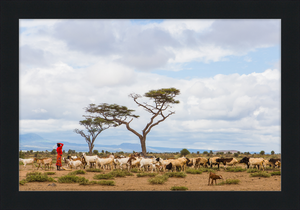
(104, 176)
(22, 182)
(253, 170)
(146, 174)
(229, 181)
(71, 179)
(158, 179)
(260, 174)
(77, 172)
(104, 182)
(39, 178)
(193, 171)
(178, 188)
(135, 170)
(33, 173)
(207, 170)
(175, 174)
(49, 173)
(276, 173)
(93, 170)
(238, 169)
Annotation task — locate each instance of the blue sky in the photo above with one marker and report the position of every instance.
(228, 72)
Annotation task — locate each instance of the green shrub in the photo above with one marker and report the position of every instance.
(33, 174)
(49, 173)
(252, 170)
(276, 173)
(104, 182)
(208, 170)
(178, 188)
(238, 169)
(158, 179)
(260, 174)
(175, 174)
(120, 173)
(146, 174)
(135, 170)
(93, 170)
(193, 171)
(22, 182)
(71, 179)
(104, 176)
(230, 181)
(77, 172)
(39, 178)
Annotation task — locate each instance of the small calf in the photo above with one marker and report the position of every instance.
(213, 177)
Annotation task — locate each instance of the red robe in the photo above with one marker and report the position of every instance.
(59, 154)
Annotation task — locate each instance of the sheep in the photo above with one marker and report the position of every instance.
(102, 162)
(89, 159)
(75, 164)
(28, 161)
(180, 162)
(213, 161)
(213, 177)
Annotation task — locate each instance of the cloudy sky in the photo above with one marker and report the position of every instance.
(228, 73)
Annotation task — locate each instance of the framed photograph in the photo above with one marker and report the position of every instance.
(179, 101)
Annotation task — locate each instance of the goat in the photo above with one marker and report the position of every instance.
(227, 161)
(148, 162)
(75, 164)
(48, 162)
(89, 159)
(102, 162)
(122, 161)
(272, 161)
(213, 161)
(28, 161)
(213, 177)
(180, 162)
(278, 163)
(256, 161)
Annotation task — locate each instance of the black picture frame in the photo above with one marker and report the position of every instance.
(12, 11)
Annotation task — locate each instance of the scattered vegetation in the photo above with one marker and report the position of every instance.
(93, 170)
(71, 179)
(22, 182)
(193, 171)
(49, 173)
(33, 174)
(237, 169)
(276, 173)
(179, 188)
(146, 174)
(158, 179)
(38, 177)
(135, 170)
(253, 170)
(120, 173)
(104, 176)
(208, 170)
(104, 182)
(77, 172)
(229, 181)
(175, 174)
(260, 174)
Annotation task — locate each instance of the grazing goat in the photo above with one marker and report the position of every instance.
(180, 162)
(213, 177)
(148, 162)
(272, 161)
(227, 161)
(89, 159)
(278, 163)
(122, 161)
(245, 160)
(48, 162)
(102, 162)
(28, 161)
(213, 161)
(256, 161)
(75, 164)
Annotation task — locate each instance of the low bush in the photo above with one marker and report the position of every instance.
(104, 176)
(104, 182)
(178, 188)
(135, 170)
(146, 174)
(276, 173)
(238, 169)
(33, 173)
(49, 173)
(175, 174)
(193, 171)
(230, 181)
(77, 172)
(260, 174)
(22, 182)
(158, 179)
(39, 178)
(120, 173)
(207, 170)
(93, 170)
(71, 179)
(253, 170)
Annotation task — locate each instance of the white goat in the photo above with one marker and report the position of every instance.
(28, 161)
(102, 162)
(90, 159)
(123, 161)
(75, 164)
(148, 162)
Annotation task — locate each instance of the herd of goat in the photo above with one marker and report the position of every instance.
(138, 160)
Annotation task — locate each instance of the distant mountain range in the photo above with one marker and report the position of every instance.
(32, 141)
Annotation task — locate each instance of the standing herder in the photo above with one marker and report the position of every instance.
(59, 155)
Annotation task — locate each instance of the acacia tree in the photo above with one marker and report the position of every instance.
(94, 127)
(162, 100)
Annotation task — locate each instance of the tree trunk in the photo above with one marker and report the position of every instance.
(143, 145)
(91, 146)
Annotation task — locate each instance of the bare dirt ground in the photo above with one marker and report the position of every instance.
(194, 182)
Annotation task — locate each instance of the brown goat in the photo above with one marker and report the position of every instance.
(213, 177)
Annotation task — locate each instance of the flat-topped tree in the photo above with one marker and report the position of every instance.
(94, 127)
(162, 100)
